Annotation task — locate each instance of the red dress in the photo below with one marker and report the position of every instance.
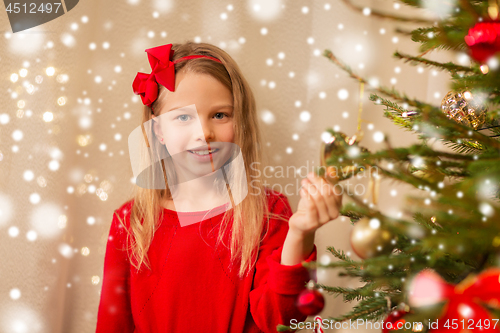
(190, 287)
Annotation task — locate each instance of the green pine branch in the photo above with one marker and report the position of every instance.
(449, 66)
(339, 254)
(450, 233)
(383, 15)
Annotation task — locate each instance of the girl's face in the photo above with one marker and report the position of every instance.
(198, 115)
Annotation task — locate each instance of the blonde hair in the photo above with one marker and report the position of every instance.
(252, 214)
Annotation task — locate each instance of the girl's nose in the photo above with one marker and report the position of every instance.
(207, 132)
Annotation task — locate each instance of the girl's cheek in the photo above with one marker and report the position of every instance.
(175, 143)
(227, 134)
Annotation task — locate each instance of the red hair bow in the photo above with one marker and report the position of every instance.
(163, 72)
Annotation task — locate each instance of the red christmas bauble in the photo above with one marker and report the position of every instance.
(310, 302)
(460, 315)
(484, 40)
(394, 321)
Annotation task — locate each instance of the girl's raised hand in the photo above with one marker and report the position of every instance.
(320, 202)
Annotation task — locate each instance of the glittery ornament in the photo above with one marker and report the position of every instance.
(369, 238)
(335, 153)
(462, 107)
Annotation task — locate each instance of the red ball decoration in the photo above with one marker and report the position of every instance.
(394, 321)
(465, 312)
(484, 40)
(310, 302)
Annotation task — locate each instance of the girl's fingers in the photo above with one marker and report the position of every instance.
(331, 196)
(311, 211)
(337, 193)
(323, 215)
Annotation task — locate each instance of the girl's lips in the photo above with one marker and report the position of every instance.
(203, 158)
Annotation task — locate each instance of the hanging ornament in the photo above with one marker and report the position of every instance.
(334, 151)
(394, 321)
(338, 148)
(464, 301)
(369, 238)
(484, 40)
(318, 325)
(462, 107)
(310, 301)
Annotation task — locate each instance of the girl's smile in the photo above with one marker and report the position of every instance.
(204, 154)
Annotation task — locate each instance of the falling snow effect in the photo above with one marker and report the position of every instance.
(65, 121)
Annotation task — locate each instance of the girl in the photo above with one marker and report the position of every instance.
(190, 283)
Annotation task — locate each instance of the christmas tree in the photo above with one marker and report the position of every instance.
(438, 271)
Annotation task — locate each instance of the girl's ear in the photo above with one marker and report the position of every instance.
(157, 129)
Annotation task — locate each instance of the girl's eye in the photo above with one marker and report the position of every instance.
(221, 113)
(183, 117)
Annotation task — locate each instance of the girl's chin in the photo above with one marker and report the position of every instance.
(198, 171)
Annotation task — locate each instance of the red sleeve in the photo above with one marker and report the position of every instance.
(115, 314)
(276, 286)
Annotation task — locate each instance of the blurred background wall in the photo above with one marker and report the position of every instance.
(67, 108)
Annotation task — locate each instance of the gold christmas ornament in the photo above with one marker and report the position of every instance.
(339, 145)
(370, 239)
(464, 108)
